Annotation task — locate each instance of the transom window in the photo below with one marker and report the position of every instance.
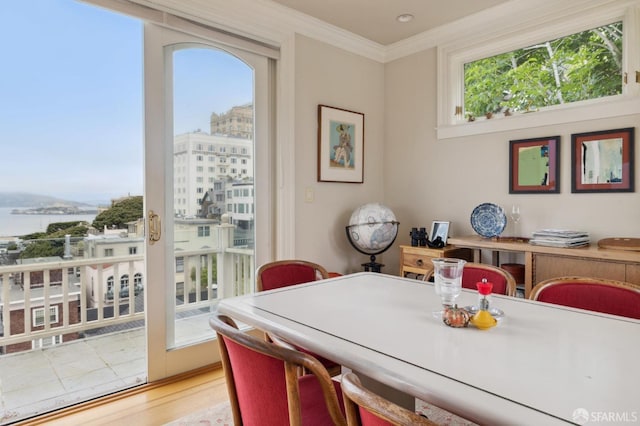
(581, 65)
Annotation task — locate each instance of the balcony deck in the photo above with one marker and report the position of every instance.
(47, 300)
(37, 381)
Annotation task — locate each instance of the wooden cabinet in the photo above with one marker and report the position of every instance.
(542, 262)
(417, 260)
(547, 266)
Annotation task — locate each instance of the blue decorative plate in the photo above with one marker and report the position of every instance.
(488, 220)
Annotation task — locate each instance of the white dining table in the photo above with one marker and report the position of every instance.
(541, 365)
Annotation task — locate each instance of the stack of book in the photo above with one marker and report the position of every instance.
(560, 238)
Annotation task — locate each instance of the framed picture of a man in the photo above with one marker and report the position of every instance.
(340, 145)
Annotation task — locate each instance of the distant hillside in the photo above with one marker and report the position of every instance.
(24, 199)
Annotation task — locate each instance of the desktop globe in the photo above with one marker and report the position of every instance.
(372, 229)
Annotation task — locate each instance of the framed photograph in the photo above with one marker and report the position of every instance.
(439, 229)
(602, 161)
(534, 166)
(340, 145)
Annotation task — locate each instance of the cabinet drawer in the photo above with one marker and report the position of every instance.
(417, 260)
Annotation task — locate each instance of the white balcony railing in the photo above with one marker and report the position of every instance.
(64, 300)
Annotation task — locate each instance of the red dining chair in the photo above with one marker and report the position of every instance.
(264, 384)
(472, 273)
(503, 281)
(366, 408)
(283, 273)
(593, 294)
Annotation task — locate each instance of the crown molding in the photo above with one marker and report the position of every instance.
(266, 22)
(496, 21)
(271, 23)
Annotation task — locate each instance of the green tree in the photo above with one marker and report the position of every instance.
(128, 210)
(204, 274)
(58, 226)
(51, 243)
(581, 66)
(43, 248)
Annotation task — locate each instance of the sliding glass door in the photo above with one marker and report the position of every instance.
(206, 115)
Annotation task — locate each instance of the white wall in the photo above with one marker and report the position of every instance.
(330, 76)
(420, 178)
(426, 179)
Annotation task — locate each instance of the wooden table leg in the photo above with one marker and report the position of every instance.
(528, 273)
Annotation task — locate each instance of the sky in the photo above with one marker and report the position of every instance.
(71, 98)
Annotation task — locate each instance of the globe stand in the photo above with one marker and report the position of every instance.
(372, 266)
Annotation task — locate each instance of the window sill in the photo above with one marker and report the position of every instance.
(563, 115)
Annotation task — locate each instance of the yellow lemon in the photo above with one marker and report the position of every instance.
(483, 320)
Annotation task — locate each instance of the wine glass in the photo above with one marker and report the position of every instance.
(515, 217)
(448, 280)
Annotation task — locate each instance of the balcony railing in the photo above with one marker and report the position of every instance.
(38, 302)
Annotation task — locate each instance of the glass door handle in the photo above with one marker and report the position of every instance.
(155, 227)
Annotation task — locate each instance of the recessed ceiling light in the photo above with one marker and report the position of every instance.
(405, 17)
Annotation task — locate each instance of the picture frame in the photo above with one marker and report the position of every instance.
(534, 165)
(439, 229)
(603, 161)
(340, 145)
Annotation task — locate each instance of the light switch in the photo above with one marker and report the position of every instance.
(308, 195)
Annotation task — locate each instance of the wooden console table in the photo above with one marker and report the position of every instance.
(541, 262)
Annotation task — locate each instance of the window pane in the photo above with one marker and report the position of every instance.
(582, 66)
(210, 87)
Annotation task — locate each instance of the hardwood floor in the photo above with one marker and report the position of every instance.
(152, 404)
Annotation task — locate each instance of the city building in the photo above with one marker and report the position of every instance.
(201, 160)
(237, 122)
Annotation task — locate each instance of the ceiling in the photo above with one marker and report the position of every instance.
(376, 19)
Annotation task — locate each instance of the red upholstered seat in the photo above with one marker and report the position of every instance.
(286, 275)
(473, 273)
(283, 273)
(503, 281)
(256, 372)
(367, 418)
(606, 296)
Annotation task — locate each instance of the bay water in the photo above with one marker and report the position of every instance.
(13, 225)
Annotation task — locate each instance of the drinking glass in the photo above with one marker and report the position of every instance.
(447, 277)
(515, 217)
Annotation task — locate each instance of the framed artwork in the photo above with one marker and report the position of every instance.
(340, 145)
(439, 229)
(602, 161)
(534, 166)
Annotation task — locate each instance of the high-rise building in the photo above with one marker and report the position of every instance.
(237, 122)
(200, 160)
